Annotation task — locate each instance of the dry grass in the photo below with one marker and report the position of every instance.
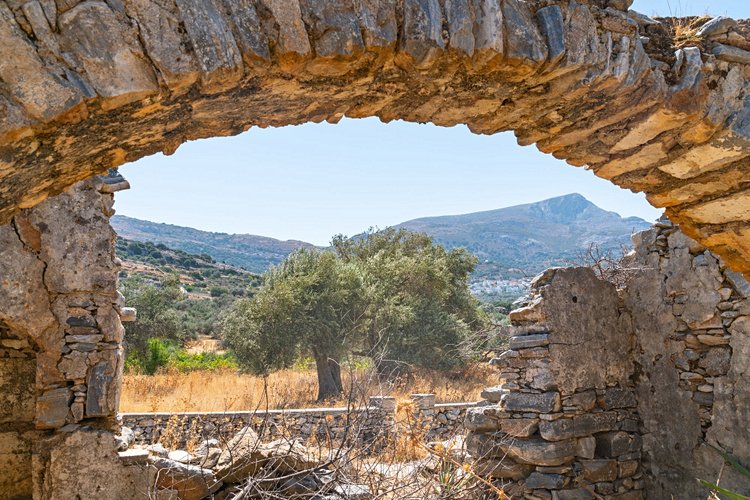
(230, 391)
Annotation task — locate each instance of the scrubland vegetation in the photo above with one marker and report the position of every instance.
(388, 313)
(228, 390)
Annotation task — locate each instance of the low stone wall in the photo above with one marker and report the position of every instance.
(362, 425)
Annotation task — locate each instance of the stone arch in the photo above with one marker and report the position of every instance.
(89, 85)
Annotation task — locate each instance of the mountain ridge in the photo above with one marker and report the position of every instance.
(509, 242)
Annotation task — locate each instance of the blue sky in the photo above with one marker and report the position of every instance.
(312, 181)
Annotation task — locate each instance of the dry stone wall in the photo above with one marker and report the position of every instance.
(690, 318)
(564, 423)
(623, 393)
(89, 85)
(363, 426)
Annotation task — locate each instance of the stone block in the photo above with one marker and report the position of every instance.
(547, 402)
(423, 401)
(599, 470)
(552, 25)
(614, 444)
(494, 394)
(335, 33)
(101, 391)
(422, 35)
(717, 26)
(580, 426)
(528, 341)
(585, 400)
(716, 361)
(460, 27)
(52, 408)
(615, 398)
(108, 51)
(628, 468)
(535, 451)
(575, 494)
(538, 480)
(525, 44)
(519, 427)
(586, 447)
(478, 420)
(502, 469)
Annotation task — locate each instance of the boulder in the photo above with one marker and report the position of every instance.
(189, 481)
(285, 457)
(242, 457)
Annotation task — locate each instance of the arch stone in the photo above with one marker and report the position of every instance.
(88, 85)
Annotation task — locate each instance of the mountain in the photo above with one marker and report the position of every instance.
(510, 242)
(526, 239)
(253, 253)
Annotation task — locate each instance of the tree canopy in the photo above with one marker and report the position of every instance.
(393, 295)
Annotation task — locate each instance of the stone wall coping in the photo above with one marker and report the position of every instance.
(249, 413)
(292, 411)
(458, 406)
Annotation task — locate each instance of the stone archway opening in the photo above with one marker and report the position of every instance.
(90, 85)
(93, 85)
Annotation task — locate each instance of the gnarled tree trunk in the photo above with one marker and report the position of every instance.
(329, 376)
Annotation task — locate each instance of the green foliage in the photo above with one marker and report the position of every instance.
(167, 311)
(420, 307)
(157, 317)
(391, 295)
(310, 303)
(167, 354)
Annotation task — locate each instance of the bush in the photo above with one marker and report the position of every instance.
(166, 354)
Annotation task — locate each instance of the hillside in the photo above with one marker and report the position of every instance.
(526, 239)
(253, 253)
(200, 275)
(510, 242)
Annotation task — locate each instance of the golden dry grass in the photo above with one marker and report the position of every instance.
(230, 391)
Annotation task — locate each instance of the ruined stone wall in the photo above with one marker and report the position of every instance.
(690, 318)
(622, 393)
(563, 424)
(60, 332)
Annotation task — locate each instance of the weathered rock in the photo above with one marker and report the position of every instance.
(108, 52)
(716, 26)
(547, 402)
(133, 457)
(85, 464)
(493, 394)
(731, 54)
(243, 457)
(716, 361)
(600, 470)
(528, 341)
(577, 296)
(618, 398)
(190, 482)
(545, 481)
(502, 469)
(480, 420)
(580, 426)
(288, 457)
(519, 427)
(614, 444)
(52, 408)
